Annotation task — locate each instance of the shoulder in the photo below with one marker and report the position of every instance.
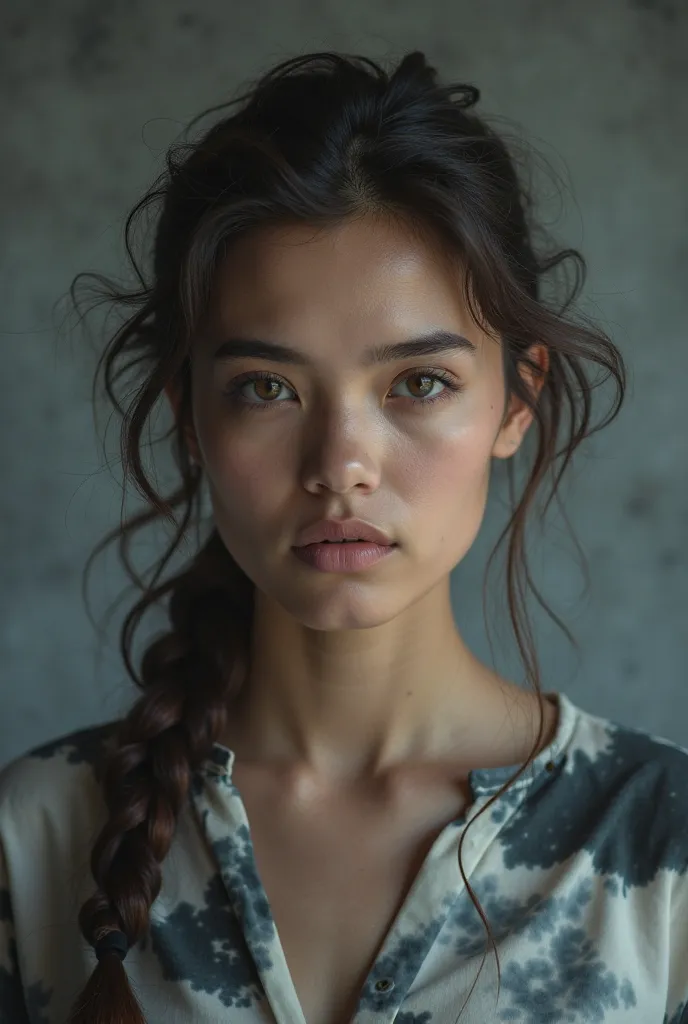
(640, 780)
(51, 811)
(618, 794)
(54, 783)
(630, 763)
(635, 787)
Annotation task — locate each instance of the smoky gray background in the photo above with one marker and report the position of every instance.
(91, 95)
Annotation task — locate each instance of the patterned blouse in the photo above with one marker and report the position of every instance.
(581, 868)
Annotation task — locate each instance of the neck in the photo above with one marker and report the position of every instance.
(345, 706)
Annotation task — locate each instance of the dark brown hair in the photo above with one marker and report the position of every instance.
(318, 138)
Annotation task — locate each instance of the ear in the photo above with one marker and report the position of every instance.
(519, 417)
(174, 398)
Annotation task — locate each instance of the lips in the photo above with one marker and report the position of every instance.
(337, 531)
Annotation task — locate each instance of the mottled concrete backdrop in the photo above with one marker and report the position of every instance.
(91, 95)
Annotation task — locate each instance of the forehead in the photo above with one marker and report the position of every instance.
(369, 273)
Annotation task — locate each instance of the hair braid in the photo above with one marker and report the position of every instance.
(145, 775)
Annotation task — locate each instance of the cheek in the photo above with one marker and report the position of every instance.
(240, 468)
(444, 485)
(453, 466)
(249, 484)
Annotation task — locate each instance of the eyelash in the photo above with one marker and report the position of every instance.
(452, 386)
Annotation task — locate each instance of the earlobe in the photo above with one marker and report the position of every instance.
(515, 427)
(505, 447)
(512, 429)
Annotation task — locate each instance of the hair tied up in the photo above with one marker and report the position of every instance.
(415, 65)
(114, 942)
(468, 95)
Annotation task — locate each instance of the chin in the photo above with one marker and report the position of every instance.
(351, 607)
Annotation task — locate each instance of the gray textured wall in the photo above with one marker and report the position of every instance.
(92, 93)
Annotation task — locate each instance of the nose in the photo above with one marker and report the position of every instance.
(341, 456)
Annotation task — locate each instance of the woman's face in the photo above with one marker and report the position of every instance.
(334, 434)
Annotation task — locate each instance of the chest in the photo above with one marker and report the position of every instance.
(336, 872)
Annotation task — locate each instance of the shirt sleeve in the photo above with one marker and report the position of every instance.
(12, 1004)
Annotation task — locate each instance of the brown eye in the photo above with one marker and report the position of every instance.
(423, 383)
(266, 389)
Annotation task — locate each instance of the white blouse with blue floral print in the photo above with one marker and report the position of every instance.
(581, 869)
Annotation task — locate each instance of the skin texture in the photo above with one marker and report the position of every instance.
(354, 677)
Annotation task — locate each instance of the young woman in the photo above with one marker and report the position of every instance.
(323, 807)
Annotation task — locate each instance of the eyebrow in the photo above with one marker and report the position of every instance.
(426, 345)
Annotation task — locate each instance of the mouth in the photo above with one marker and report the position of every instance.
(340, 543)
(343, 531)
(357, 540)
(330, 556)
